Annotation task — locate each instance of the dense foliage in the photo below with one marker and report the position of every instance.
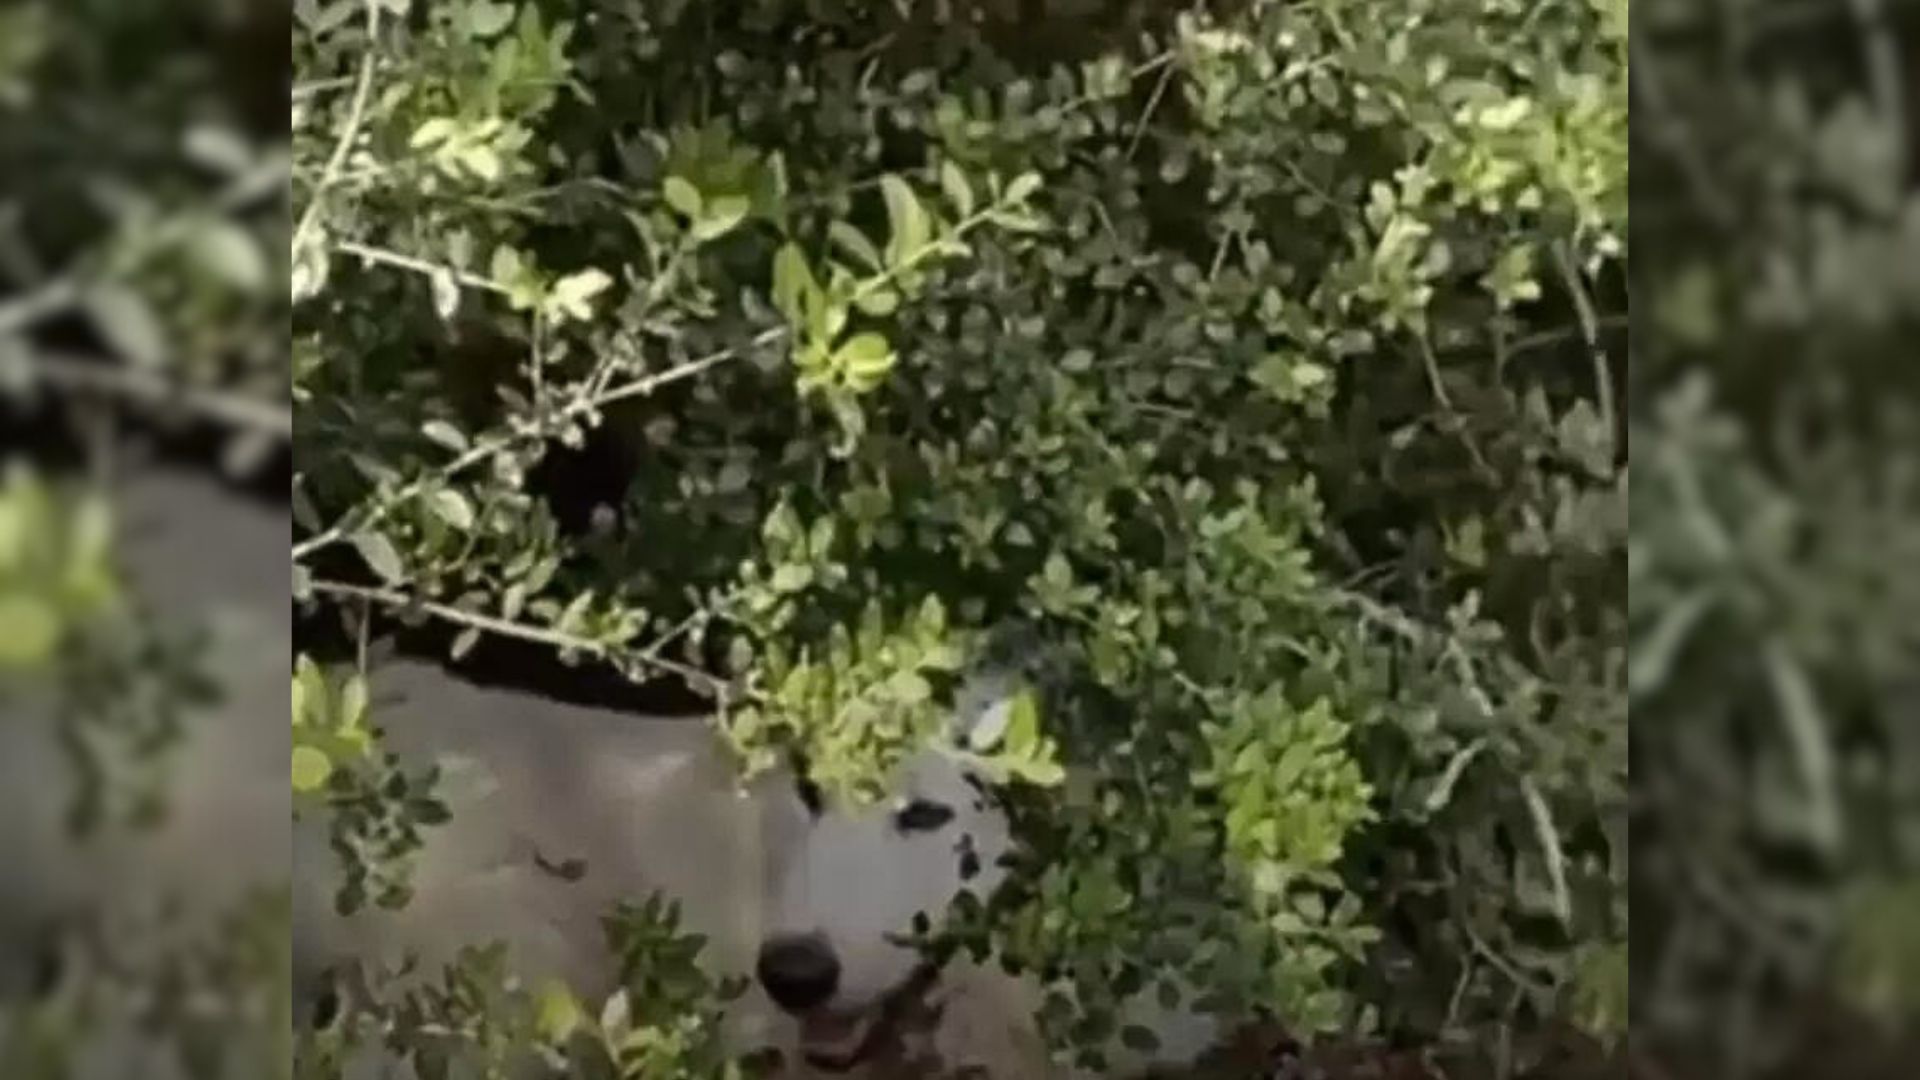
(143, 209)
(1772, 596)
(1266, 363)
(1259, 362)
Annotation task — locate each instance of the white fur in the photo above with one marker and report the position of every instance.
(645, 804)
(856, 879)
(654, 805)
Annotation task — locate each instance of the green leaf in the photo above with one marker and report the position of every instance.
(792, 577)
(722, 215)
(1019, 222)
(128, 323)
(311, 769)
(575, 615)
(464, 643)
(573, 295)
(482, 161)
(432, 133)
(507, 266)
(1442, 792)
(380, 556)
(219, 148)
(309, 690)
(1022, 188)
(958, 191)
(1041, 772)
(486, 20)
(1022, 724)
(866, 352)
(682, 196)
(1057, 572)
(230, 253)
(453, 508)
(906, 217)
(29, 630)
(855, 243)
(444, 433)
(878, 303)
(1810, 737)
(1650, 658)
(446, 292)
(354, 697)
(909, 688)
(308, 274)
(865, 359)
(558, 1012)
(793, 284)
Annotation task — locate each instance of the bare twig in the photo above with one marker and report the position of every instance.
(590, 403)
(1883, 71)
(1673, 137)
(1590, 334)
(1153, 103)
(1546, 338)
(419, 266)
(509, 628)
(356, 115)
(43, 303)
(1430, 360)
(487, 448)
(153, 388)
(61, 294)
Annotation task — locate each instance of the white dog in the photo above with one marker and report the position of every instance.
(812, 899)
(859, 877)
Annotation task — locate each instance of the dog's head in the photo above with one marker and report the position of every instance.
(837, 955)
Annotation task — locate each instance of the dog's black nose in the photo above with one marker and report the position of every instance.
(799, 973)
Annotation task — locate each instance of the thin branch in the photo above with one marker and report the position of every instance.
(60, 295)
(48, 300)
(1671, 135)
(320, 86)
(1430, 361)
(645, 386)
(120, 380)
(508, 628)
(1590, 334)
(356, 115)
(1146, 114)
(385, 257)
(590, 403)
(1546, 338)
(1520, 979)
(1883, 71)
(487, 448)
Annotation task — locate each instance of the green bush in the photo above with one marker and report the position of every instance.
(1772, 633)
(1258, 361)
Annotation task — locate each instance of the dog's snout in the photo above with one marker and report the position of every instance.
(799, 973)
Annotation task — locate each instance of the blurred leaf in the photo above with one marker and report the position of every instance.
(380, 556)
(228, 252)
(29, 630)
(128, 323)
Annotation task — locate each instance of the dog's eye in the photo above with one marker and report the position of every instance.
(922, 815)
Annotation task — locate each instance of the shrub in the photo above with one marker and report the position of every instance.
(1256, 360)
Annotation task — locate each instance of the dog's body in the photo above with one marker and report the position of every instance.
(809, 898)
(558, 813)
